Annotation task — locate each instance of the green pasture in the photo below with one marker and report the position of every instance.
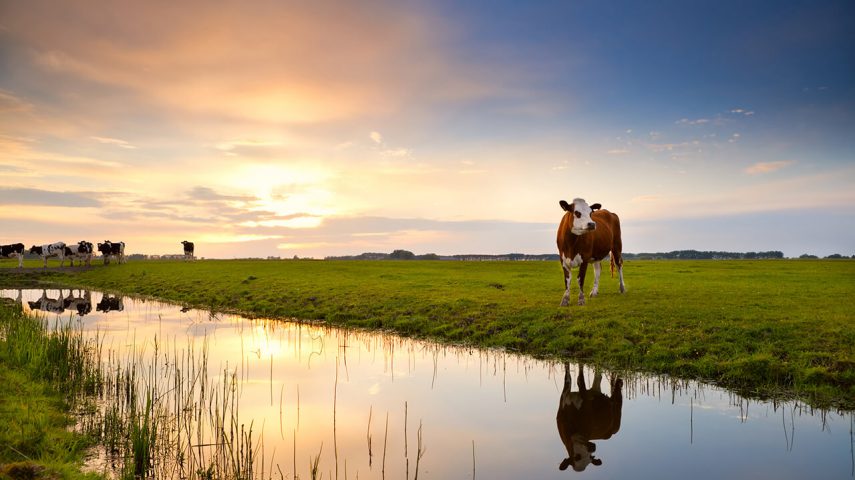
(766, 327)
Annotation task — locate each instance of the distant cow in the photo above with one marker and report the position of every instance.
(587, 234)
(586, 415)
(109, 304)
(188, 249)
(112, 249)
(12, 251)
(82, 252)
(56, 249)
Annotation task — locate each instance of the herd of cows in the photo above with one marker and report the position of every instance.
(83, 251)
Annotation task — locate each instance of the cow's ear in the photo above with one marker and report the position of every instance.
(596, 206)
(567, 207)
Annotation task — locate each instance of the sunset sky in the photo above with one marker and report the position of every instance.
(317, 128)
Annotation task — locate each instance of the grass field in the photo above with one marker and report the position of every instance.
(774, 327)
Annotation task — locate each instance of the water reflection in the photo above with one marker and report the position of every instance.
(79, 302)
(374, 405)
(110, 303)
(585, 415)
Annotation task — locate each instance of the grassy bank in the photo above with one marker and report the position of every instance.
(34, 415)
(783, 327)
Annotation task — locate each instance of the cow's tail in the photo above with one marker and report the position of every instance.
(612, 263)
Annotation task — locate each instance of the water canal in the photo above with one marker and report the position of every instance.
(353, 404)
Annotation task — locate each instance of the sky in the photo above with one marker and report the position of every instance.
(283, 128)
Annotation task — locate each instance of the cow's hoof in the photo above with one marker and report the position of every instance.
(593, 293)
(564, 303)
(581, 302)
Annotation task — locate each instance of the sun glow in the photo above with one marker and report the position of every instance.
(298, 193)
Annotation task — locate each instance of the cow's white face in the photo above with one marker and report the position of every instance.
(582, 222)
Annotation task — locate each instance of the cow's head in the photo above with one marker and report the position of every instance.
(85, 246)
(36, 249)
(104, 247)
(582, 452)
(582, 222)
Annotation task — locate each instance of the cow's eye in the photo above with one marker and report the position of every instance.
(578, 215)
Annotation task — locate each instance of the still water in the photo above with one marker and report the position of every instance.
(373, 405)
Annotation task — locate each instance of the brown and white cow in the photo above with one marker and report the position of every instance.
(586, 235)
(587, 415)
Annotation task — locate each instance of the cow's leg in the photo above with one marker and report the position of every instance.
(597, 269)
(20, 261)
(568, 386)
(598, 380)
(580, 379)
(583, 269)
(620, 275)
(45, 258)
(568, 280)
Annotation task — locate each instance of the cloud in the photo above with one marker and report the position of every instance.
(230, 145)
(618, 151)
(9, 103)
(275, 62)
(376, 137)
(396, 152)
(114, 141)
(208, 194)
(741, 111)
(767, 167)
(34, 196)
(698, 121)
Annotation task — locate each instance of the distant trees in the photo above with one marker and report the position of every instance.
(704, 255)
(402, 255)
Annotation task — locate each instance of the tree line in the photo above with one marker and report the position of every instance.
(672, 255)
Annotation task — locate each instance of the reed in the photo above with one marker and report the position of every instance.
(45, 375)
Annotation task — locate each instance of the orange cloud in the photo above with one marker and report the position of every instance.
(767, 167)
(294, 62)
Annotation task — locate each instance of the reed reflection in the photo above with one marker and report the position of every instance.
(586, 415)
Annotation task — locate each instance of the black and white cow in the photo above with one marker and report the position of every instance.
(56, 249)
(188, 249)
(82, 252)
(12, 251)
(112, 249)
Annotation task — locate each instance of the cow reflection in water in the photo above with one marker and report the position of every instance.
(47, 304)
(586, 415)
(110, 303)
(80, 303)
